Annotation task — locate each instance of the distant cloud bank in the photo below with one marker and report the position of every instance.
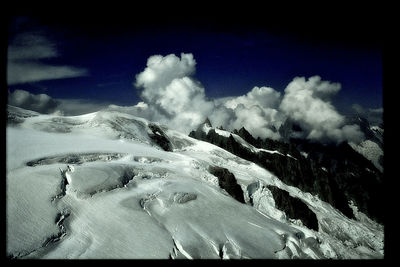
(173, 96)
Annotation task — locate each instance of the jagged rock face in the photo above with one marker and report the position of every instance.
(354, 175)
(269, 144)
(227, 181)
(307, 176)
(337, 174)
(247, 136)
(289, 129)
(294, 208)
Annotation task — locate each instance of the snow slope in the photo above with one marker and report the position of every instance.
(97, 186)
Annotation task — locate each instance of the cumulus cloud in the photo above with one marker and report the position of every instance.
(257, 112)
(171, 95)
(160, 71)
(41, 103)
(45, 104)
(255, 120)
(264, 97)
(24, 56)
(307, 102)
(174, 95)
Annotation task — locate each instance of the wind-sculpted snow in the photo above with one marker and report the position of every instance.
(220, 222)
(30, 212)
(31, 203)
(99, 192)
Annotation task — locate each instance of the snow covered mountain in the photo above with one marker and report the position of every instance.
(111, 185)
(372, 147)
(337, 173)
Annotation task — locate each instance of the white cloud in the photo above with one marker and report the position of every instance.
(257, 112)
(41, 103)
(324, 90)
(255, 120)
(23, 60)
(179, 100)
(308, 103)
(264, 97)
(183, 94)
(174, 97)
(24, 72)
(160, 72)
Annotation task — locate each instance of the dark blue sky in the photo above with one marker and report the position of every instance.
(230, 60)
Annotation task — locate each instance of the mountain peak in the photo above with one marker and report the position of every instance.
(290, 129)
(207, 123)
(243, 130)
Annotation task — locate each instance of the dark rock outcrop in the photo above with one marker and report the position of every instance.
(159, 137)
(294, 208)
(227, 181)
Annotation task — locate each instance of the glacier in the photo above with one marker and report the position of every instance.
(109, 185)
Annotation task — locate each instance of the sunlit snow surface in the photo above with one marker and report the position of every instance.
(127, 198)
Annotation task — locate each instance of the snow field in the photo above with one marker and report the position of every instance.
(127, 198)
